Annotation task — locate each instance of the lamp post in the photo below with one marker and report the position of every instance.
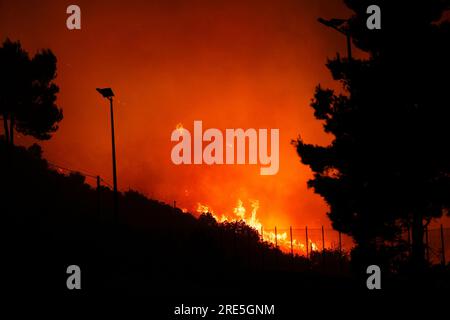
(337, 24)
(108, 94)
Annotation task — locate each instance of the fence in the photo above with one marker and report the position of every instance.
(293, 240)
(304, 241)
(437, 245)
(65, 170)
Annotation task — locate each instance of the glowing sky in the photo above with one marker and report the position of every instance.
(231, 64)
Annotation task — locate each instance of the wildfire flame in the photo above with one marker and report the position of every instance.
(180, 128)
(282, 240)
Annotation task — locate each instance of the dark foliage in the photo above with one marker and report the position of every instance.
(388, 167)
(27, 92)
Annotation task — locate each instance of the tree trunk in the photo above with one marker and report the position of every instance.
(5, 126)
(11, 128)
(418, 247)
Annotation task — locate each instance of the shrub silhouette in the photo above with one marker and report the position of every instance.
(53, 220)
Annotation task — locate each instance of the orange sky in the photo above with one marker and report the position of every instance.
(231, 64)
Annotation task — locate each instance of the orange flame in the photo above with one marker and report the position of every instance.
(281, 240)
(180, 128)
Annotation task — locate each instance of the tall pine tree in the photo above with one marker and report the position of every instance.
(388, 166)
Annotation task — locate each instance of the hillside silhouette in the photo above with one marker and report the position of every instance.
(52, 220)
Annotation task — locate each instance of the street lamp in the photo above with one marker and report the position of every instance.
(338, 25)
(108, 94)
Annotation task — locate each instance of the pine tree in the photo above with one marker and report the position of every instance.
(27, 92)
(388, 166)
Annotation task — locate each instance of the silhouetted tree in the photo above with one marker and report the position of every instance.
(388, 165)
(27, 92)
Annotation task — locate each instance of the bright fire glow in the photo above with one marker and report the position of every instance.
(282, 240)
(180, 128)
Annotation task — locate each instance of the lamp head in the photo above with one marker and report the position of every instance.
(337, 24)
(106, 92)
